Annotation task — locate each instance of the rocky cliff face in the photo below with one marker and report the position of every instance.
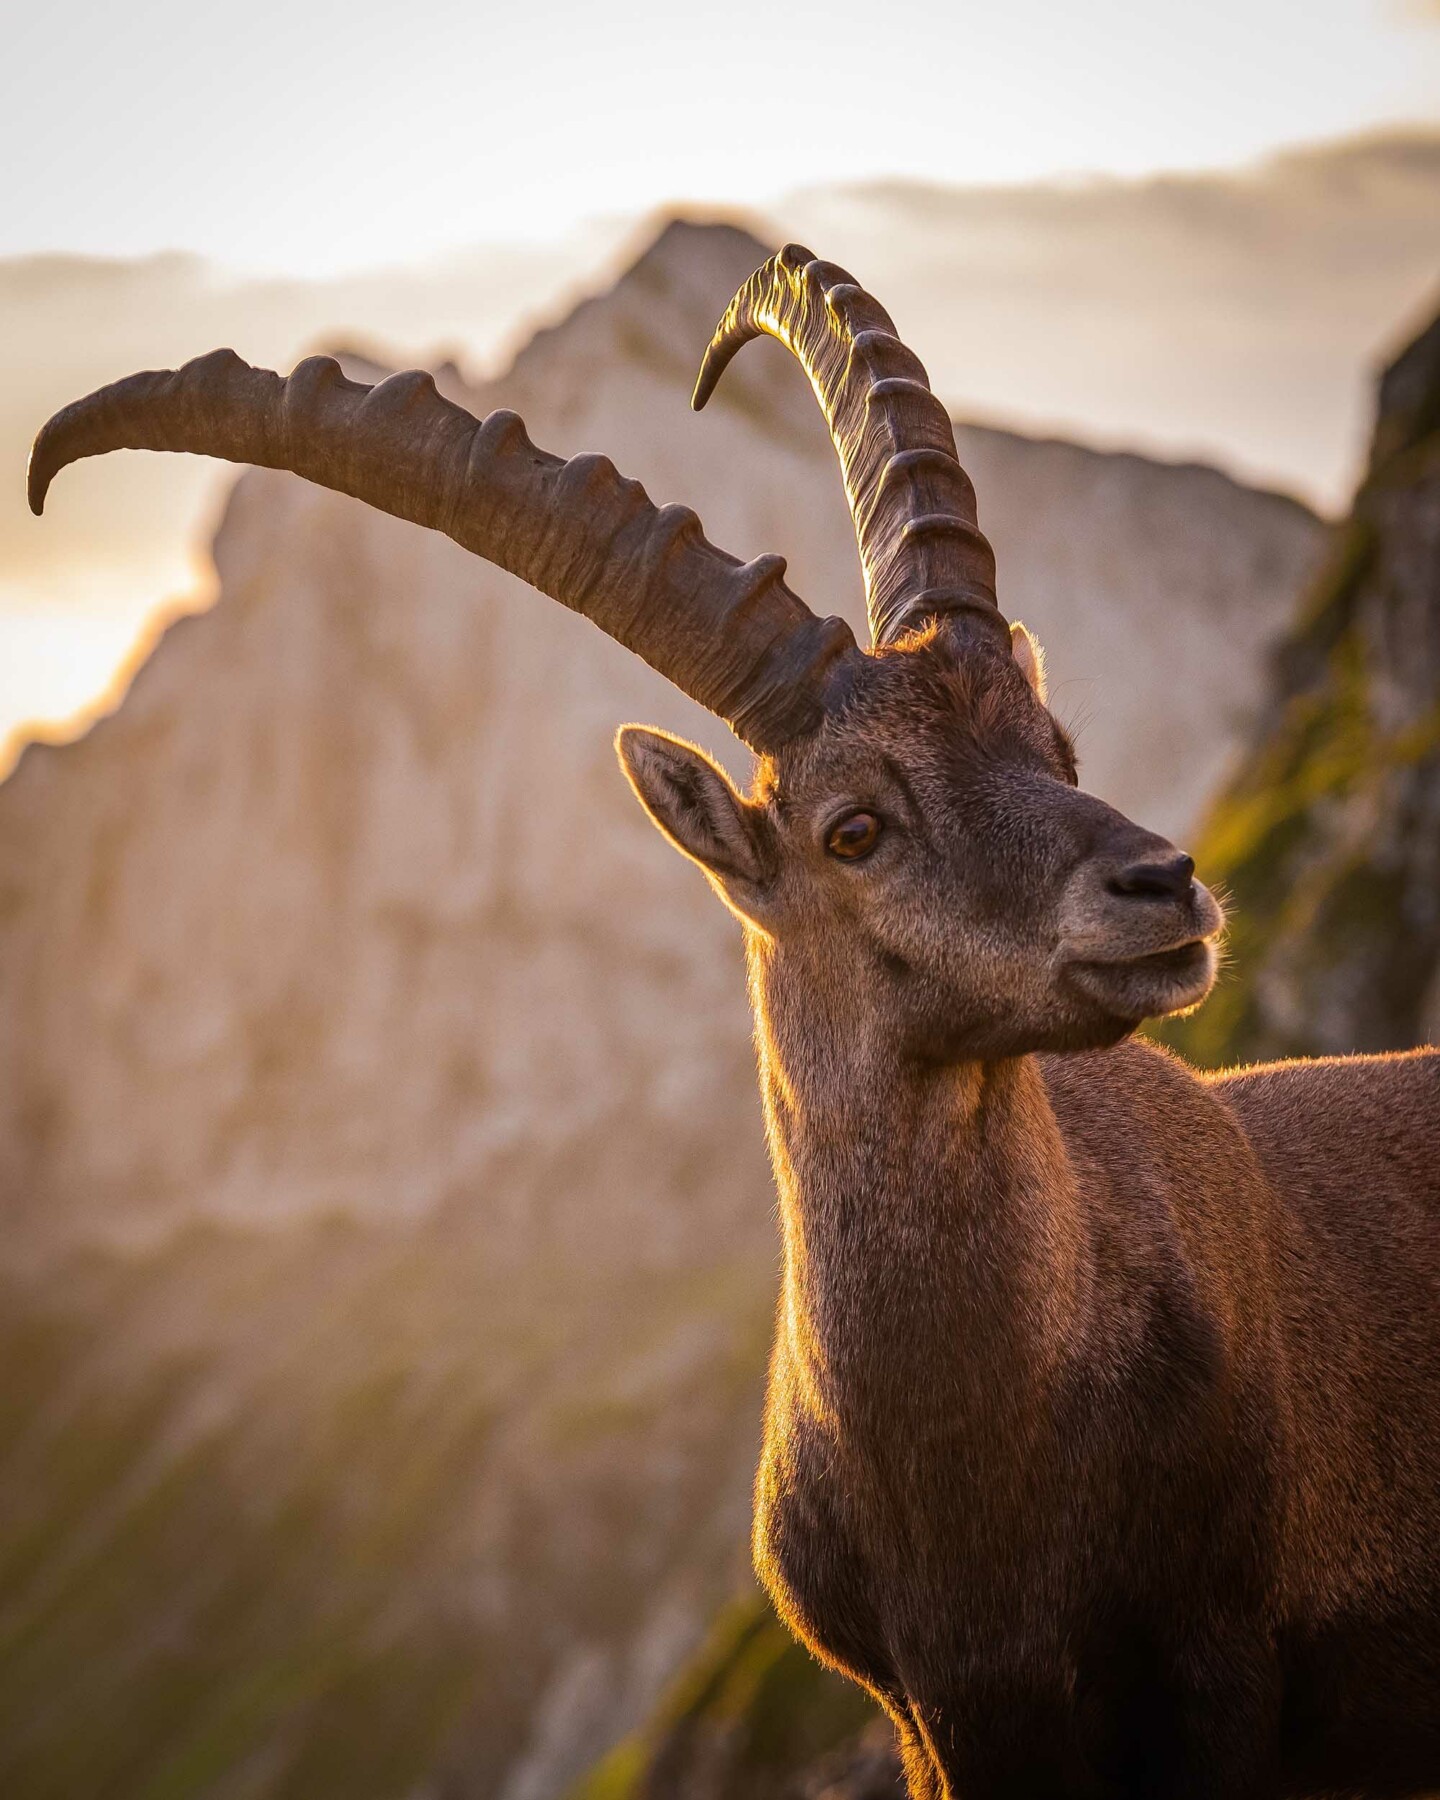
(1328, 837)
(387, 1252)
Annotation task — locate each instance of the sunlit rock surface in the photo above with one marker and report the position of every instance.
(387, 1234)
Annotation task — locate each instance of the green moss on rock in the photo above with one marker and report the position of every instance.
(1326, 843)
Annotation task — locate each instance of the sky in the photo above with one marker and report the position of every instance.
(1189, 229)
(291, 137)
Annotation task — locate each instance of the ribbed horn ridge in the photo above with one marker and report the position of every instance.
(729, 634)
(921, 546)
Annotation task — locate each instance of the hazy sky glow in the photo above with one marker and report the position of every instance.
(307, 138)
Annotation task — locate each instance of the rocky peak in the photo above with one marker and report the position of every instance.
(651, 326)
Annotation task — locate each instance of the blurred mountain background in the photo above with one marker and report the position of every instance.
(388, 1257)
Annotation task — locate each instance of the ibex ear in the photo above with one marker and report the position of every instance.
(1025, 648)
(692, 801)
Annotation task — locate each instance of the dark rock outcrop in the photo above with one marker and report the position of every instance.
(1328, 836)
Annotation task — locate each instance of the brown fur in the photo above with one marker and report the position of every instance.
(1103, 1431)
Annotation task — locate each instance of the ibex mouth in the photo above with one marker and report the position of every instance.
(1149, 986)
(1184, 959)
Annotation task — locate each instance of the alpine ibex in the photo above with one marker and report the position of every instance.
(1103, 1431)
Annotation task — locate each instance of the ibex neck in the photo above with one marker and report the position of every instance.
(935, 1252)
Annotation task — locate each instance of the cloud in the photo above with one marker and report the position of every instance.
(1234, 314)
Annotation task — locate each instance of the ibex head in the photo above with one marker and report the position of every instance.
(914, 829)
(922, 854)
(925, 858)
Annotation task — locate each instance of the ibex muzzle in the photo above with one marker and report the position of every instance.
(1137, 931)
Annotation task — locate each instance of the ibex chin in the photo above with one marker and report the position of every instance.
(1103, 1431)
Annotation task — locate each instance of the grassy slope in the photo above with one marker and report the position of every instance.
(338, 1552)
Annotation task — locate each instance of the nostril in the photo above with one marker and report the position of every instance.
(1169, 880)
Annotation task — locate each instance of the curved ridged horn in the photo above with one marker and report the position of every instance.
(913, 505)
(730, 635)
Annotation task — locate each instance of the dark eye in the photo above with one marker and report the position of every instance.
(854, 836)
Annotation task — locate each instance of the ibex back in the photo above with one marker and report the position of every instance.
(1103, 1430)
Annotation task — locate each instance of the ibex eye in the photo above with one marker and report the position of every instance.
(854, 836)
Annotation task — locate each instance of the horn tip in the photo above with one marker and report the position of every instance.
(705, 381)
(38, 476)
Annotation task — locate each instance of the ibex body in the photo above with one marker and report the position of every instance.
(1103, 1432)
